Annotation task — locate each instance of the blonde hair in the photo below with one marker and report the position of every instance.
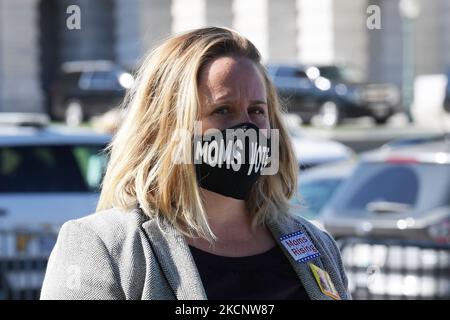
(141, 171)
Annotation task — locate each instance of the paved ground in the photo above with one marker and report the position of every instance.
(362, 134)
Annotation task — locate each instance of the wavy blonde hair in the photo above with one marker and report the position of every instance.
(141, 171)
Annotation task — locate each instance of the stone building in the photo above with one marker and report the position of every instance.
(34, 38)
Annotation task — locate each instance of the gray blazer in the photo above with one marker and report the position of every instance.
(125, 255)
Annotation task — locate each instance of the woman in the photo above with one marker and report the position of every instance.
(171, 224)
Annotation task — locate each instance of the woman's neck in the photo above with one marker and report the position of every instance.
(228, 217)
(230, 221)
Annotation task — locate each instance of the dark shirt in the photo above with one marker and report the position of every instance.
(268, 275)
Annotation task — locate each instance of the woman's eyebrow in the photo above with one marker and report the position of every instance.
(230, 101)
(258, 102)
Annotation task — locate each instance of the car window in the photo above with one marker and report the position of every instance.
(331, 72)
(421, 186)
(290, 72)
(62, 168)
(301, 74)
(70, 80)
(392, 184)
(104, 80)
(315, 194)
(347, 74)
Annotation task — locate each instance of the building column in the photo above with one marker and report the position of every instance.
(19, 57)
(444, 13)
(250, 18)
(282, 29)
(219, 13)
(428, 38)
(315, 40)
(350, 44)
(139, 26)
(155, 22)
(385, 45)
(127, 17)
(96, 38)
(188, 15)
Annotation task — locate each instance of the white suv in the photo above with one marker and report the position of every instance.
(48, 175)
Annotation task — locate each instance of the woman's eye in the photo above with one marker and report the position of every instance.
(222, 110)
(257, 110)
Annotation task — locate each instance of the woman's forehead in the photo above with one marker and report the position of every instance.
(226, 77)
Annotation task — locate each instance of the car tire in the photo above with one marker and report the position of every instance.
(381, 120)
(73, 114)
(53, 115)
(306, 120)
(329, 114)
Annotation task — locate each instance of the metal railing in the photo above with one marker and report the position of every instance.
(385, 269)
(23, 261)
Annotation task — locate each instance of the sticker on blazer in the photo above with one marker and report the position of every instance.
(299, 246)
(324, 281)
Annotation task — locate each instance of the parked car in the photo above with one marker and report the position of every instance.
(312, 151)
(400, 193)
(391, 218)
(447, 93)
(317, 185)
(48, 174)
(332, 93)
(410, 141)
(85, 89)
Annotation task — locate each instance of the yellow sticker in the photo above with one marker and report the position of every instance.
(324, 281)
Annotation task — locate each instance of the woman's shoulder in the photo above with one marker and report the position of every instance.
(311, 226)
(117, 217)
(110, 241)
(110, 226)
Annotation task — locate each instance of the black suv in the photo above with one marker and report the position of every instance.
(333, 93)
(87, 88)
(447, 93)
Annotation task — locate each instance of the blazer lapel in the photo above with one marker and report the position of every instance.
(175, 259)
(179, 268)
(301, 268)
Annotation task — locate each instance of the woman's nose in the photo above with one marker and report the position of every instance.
(245, 117)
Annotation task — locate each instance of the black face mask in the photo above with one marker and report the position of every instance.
(231, 163)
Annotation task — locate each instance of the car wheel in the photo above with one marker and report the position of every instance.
(329, 114)
(74, 113)
(381, 120)
(306, 120)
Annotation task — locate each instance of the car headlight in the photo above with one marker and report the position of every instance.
(126, 80)
(322, 83)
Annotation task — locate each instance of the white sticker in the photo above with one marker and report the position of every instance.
(300, 246)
